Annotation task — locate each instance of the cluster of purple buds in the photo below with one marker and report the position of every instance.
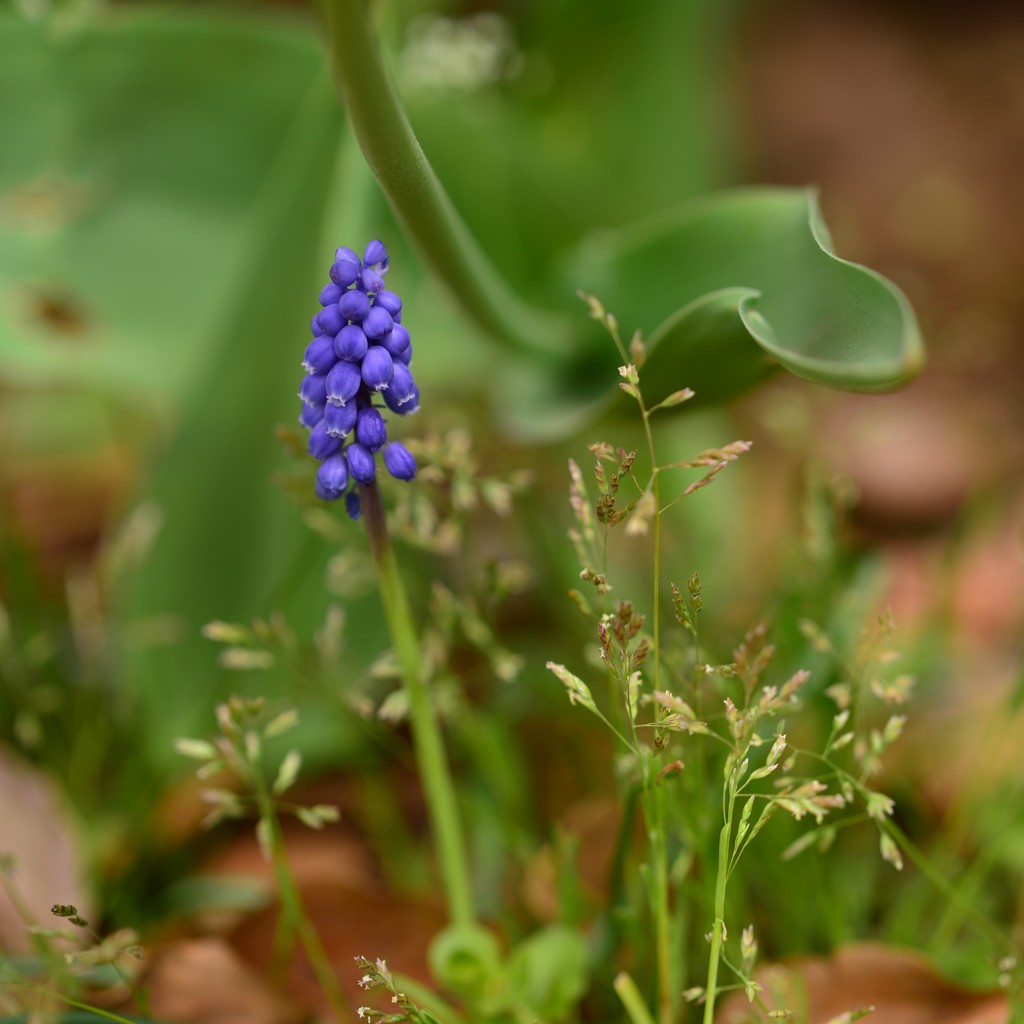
(356, 366)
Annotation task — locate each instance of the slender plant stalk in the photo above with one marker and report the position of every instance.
(653, 797)
(718, 928)
(660, 894)
(295, 918)
(430, 754)
(417, 197)
(667, 1000)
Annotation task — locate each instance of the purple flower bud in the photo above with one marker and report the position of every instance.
(340, 419)
(371, 432)
(342, 382)
(371, 281)
(377, 368)
(319, 357)
(344, 272)
(325, 495)
(405, 356)
(314, 325)
(402, 396)
(401, 465)
(402, 384)
(329, 294)
(332, 477)
(343, 252)
(375, 253)
(321, 443)
(354, 306)
(313, 389)
(311, 415)
(377, 324)
(397, 341)
(352, 505)
(350, 344)
(330, 319)
(361, 464)
(389, 301)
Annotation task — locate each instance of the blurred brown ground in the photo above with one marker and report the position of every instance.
(910, 119)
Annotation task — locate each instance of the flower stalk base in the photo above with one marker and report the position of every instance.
(426, 731)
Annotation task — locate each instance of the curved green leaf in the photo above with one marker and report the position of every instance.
(727, 289)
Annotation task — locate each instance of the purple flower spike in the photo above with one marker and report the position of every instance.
(371, 432)
(401, 465)
(345, 272)
(329, 294)
(332, 477)
(361, 464)
(397, 341)
(359, 350)
(352, 505)
(354, 306)
(343, 383)
(375, 253)
(321, 443)
(340, 419)
(319, 357)
(389, 301)
(313, 389)
(350, 344)
(378, 368)
(377, 324)
(331, 319)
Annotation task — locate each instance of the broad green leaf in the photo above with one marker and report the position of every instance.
(727, 289)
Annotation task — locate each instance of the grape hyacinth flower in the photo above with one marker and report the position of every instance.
(357, 370)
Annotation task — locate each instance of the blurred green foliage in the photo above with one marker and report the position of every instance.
(172, 186)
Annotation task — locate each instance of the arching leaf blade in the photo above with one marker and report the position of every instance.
(726, 289)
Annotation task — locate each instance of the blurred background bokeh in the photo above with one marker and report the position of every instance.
(173, 183)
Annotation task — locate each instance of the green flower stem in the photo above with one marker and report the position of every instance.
(718, 928)
(417, 197)
(430, 755)
(295, 919)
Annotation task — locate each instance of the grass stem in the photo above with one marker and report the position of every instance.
(296, 921)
